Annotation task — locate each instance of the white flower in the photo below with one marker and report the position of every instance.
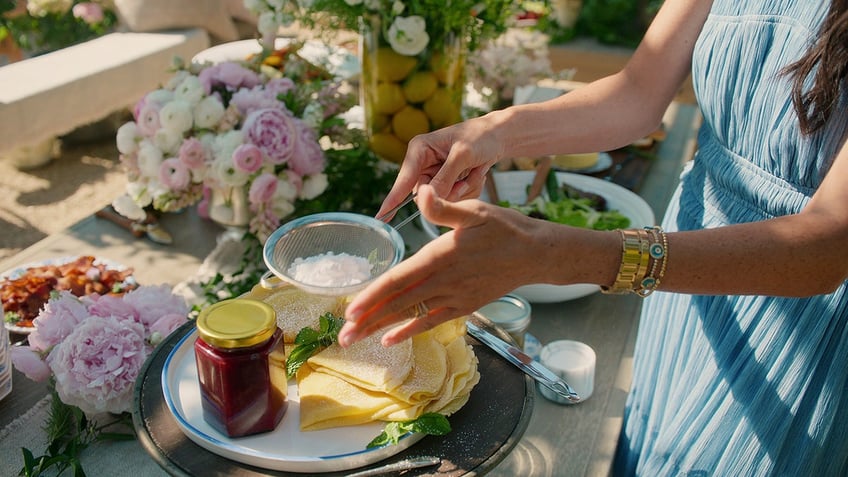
(353, 3)
(159, 96)
(190, 90)
(126, 206)
(167, 140)
(41, 8)
(174, 81)
(268, 23)
(408, 35)
(139, 194)
(225, 144)
(373, 5)
(281, 207)
(226, 173)
(313, 186)
(127, 138)
(286, 191)
(398, 7)
(176, 116)
(149, 159)
(313, 114)
(208, 112)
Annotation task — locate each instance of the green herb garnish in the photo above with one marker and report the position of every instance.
(310, 341)
(431, 423)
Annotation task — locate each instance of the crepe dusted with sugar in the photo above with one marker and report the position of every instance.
(432, 372)
(296, 309)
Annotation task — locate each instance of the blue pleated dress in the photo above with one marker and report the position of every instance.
(744, 385)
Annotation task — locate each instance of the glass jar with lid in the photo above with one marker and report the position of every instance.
(241, 367)
(511, 313)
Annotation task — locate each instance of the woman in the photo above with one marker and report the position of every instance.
(740, 359)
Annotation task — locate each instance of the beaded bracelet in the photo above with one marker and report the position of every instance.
(659, 254)
(634, 262)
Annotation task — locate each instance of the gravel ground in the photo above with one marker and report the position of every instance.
(85, 177)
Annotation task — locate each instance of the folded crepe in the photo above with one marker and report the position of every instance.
(435, 371)
(296, 309)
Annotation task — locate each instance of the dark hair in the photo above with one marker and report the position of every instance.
(828, 58)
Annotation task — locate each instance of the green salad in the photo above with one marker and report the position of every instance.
(568, 205)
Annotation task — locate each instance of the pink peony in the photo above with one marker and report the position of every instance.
(165, 326)
(308, 157)
(250, 100)
(247, 158)
(228, 74)
(272, 131)
(192, 153)
(174, 174)
(263, 188)
(89, 12)
(152, 302)
(29, 362)
(57, 319)
(96, 366)
(110, 305)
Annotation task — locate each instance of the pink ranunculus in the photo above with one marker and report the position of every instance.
(203, 205)
(229, 74)
(308, 157)
(96, 366)
(262, 189)
(192, 154)
(247, 158)
(174, 174)
(155, 301)
(110, 305)
(89, 12)
(273, 131)
(57, 319)
(147, 121)
(28, 361)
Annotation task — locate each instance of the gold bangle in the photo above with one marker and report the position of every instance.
(633, 263)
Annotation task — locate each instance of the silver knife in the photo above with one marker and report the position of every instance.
(524, 362)
(406, 464)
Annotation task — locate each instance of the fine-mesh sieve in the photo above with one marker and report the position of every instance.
(334, 233)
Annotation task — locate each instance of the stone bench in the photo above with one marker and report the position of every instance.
(52, 94)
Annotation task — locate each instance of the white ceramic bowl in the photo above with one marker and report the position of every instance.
(512, 186)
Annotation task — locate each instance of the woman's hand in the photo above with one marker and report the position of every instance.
(454, 160)
(453, 275)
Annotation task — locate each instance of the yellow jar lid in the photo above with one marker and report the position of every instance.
(237, 323)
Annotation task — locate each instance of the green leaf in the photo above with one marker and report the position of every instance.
(310, 341)
(430, 423)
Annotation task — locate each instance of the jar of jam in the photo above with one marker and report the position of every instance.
(241, 367)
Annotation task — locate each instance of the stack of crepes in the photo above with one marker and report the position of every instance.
(434, 371)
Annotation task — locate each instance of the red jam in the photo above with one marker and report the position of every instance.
(241, 367)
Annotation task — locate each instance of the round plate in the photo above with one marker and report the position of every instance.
(284, 448)
(483, 432)
(338, 61)
(512, 187)
(17, 272)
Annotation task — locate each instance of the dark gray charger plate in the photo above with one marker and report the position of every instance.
(483, 432)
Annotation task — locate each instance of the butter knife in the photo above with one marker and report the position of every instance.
(406, 464)
(524, 362)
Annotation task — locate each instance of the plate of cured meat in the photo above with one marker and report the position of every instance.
(25, 289)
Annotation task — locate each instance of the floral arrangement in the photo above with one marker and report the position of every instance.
(518, 57)
(235, 127)
(45, 25)
(93, 347)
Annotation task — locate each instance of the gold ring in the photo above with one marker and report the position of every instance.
(419, 310)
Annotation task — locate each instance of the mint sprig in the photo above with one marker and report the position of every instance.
(431, 423)
(310, 341)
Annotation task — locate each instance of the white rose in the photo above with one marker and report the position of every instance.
(159, 96)
(408, 35)
(149, 159)
(208, 112)
(190, 89)
(168, 141)
(126, 206)
(313, 186)
(127, 138)
(286, 191)
(227, 174)
(176, 116)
